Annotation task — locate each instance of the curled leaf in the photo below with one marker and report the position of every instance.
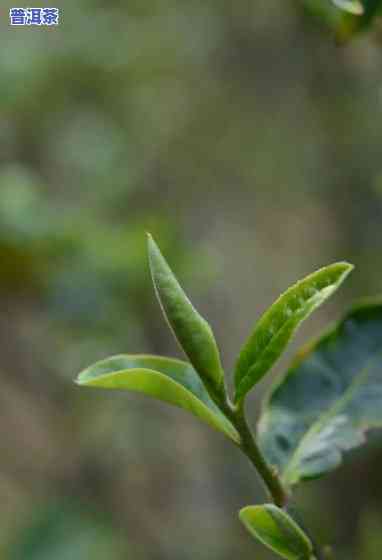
(277, 326)
(276, 529)
(166, 379)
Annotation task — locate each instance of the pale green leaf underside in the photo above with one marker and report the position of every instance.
(277, 530)
(352, 6)
(166, 379)
(327, 400)
(277, 326)
(193, 333)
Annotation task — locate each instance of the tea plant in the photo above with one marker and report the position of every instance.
(320, 408)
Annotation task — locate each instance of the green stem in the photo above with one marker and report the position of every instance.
(250, 448)
(268, 474)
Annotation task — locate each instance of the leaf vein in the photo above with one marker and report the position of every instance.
(329, 414)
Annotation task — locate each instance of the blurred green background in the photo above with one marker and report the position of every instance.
(249, 144)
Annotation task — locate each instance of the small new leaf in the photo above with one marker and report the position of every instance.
(193, 333)
(276, 529)
(277, 326)
(166, 379)
(328, 399)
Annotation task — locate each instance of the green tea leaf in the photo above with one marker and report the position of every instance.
(277, 326)
(328, 399)
(277, 530)
(352, 6)
(193, 333)
(166, 379)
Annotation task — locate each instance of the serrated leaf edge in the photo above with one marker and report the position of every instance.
(294, 287)
(300, 357)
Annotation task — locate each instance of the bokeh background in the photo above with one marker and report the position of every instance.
(249, 144)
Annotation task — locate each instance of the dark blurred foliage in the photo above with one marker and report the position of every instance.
(346, 18)
(249, 144)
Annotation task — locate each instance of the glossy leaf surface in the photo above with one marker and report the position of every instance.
(327, 400)
(193, 333)
(277, 530)
(166, 379)
(277, 326)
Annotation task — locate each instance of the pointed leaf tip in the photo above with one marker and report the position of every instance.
(278, 531)
(193, 333)
(279, 323)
